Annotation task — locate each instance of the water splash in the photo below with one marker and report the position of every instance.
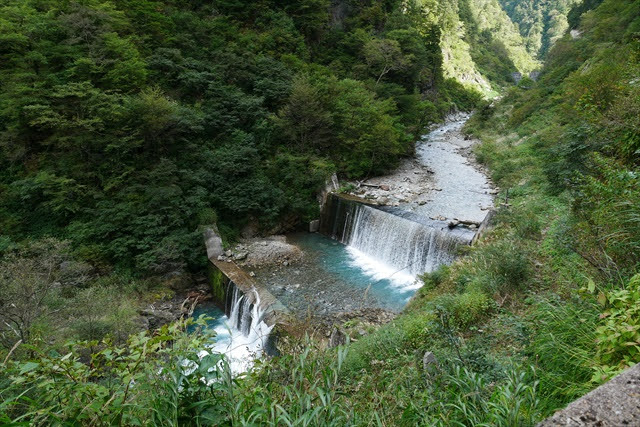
(243, 335)
(398, 246)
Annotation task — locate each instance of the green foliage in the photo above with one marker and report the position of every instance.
(507, 265)
(121, 122)
(482, 45)
(463, 309)
(383, 56)
(563, 151)
(562, 346)
(434, 279)
(165, 379)
(608, 209)
(513, 403)
(50, 295)
(541, 24)
(618, 335)
(145, 382)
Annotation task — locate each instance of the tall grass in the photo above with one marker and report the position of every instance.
(562, 346)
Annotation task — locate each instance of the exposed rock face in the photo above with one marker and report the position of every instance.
(156, 317)
(337, 338)
(169, 310)
(616, 403)
(213, 242)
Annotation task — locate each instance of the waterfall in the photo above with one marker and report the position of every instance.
(403, 244)
(388, 243)
(242, 335)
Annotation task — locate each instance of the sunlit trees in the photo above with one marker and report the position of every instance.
(383, 56)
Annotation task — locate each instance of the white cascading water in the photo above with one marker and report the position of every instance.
(389, 246)
(243, 335)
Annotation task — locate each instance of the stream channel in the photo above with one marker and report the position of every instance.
(373, 244)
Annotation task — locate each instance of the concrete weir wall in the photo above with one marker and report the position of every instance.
(335, 213)
(338, 211)
(224, 274)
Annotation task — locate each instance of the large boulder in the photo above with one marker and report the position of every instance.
(213, 242)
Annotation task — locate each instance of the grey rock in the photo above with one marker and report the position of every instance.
(212, 241)
(66, 266)
(616, 403)
(337, 338)
(429, 362)
(239, 256)
(157, 317)
(314, 226)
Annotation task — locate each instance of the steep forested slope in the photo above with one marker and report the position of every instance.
(481, 46)
(568, 150)
(541, 23)
(125, 125)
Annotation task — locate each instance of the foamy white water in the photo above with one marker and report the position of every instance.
(377, 270)
(242, 337)
(391, 246)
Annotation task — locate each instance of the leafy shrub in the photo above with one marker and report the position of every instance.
(463, 309)
(386, 343)
(434, 279)
(609, 212)
(507, 264)
(618, 335)
(467, 399)
(419, 329)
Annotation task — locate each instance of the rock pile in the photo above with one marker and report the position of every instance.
(262, 251)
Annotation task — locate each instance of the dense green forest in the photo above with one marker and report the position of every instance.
(482, 46)
(127, 125)
(541, 23)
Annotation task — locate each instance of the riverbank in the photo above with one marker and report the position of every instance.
(442, 182)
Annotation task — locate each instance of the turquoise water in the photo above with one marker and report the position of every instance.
(210, 310)
(239, 348)
(394, 287)
(333, 278)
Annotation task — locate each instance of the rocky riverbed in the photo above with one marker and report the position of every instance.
(258, 252)
(442, 182)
